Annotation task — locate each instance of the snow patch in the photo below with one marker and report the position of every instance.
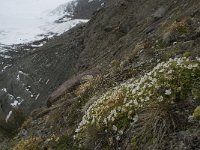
(4, 90)
(21, 72)
(34, 20)
(40, 45)
(28, 89)
(8, 116)
(5, 56)
(37, 97)
(47, 81)
(17, 102)
(18, 78)
(5, 67)
(59, 28)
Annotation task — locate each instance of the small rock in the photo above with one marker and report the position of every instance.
(87, 77)
(23, 133)
(108, 28)
(190, 119)
(160, 13)
(197, 30)
(149, 29)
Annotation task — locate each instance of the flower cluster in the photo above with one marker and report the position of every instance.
(161, 85)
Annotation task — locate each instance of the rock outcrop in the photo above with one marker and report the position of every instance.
(71, 85)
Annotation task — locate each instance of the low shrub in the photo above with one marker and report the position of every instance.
(165, 87)
(196, 114)
(29, 144)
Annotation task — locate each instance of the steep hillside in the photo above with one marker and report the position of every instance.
(128, 79)
(29, 72)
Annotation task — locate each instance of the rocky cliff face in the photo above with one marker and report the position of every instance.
(144, 96)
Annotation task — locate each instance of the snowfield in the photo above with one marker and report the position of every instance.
(23, 21)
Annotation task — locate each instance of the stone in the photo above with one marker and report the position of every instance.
(159, 13)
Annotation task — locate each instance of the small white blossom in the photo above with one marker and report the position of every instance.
(160, 99)
(109, 108)
(121, 132)
(170, 71)
(114, 128)
(118, 138)
(168, 92)
(135, 119)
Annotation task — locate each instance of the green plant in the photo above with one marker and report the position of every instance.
(170, 53)
(29, 144)
(181, 27)
(88, 89)
(196, 114)
(161, 44)
(26, 124)
(65, 143)
(133, 144)
(187, 54)
(168, 84)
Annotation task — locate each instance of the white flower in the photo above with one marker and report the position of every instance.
(168, 92)
(195, 65)
(162, 70)
(170, 71)
(198, 59)
(117, 138)
(154, 81)
(113, 119)
(135, 119)
(121, 132)
(135, 102)
(77, 130)
(160, 99)
(147, 98)
(105, 121)
(190, 67)
(108, 108)
(114, 128)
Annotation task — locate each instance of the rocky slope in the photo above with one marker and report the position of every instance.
(115, 86)
(23, 83)
(27, 69)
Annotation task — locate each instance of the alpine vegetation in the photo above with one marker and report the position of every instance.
(168, 84)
